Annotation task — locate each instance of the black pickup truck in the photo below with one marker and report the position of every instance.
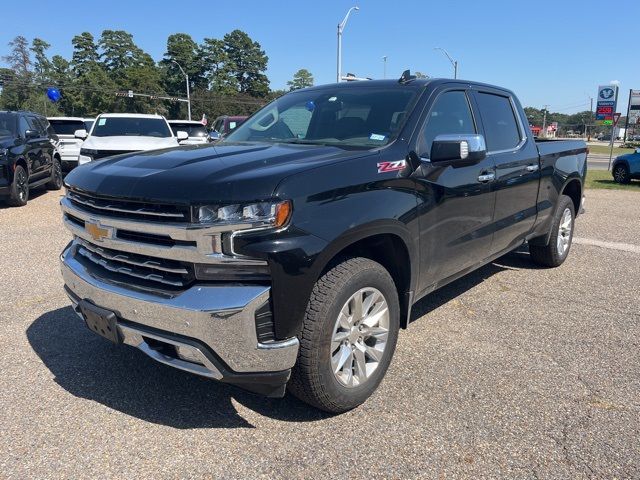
(290, 254)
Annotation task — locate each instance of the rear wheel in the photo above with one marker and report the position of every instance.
(19, 188)
(621, 174)
(56, 176)
(349, 335)
(556, 251)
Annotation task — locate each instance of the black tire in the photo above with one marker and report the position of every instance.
(621, 174)
(56, 176)
(19, 193)
(549, 255)
(312, 379)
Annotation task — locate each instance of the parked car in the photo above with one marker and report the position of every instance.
(196, 130)
(626, 167)
(28, 157)
(118, 133)
(224, 125)
(293, 252)
(68, 145)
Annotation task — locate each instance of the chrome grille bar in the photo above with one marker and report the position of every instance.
(113, 208)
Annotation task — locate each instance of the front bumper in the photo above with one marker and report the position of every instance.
(213, 325)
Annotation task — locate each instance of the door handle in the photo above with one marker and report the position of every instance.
(532, 168)
(487, 177)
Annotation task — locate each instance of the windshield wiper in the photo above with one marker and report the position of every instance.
(300, 141)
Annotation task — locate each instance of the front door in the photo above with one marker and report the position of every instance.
(456, 199)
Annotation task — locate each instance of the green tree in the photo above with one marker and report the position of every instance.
(301, 79)
(85, 53)
(218, 68)
(19, 59)
(248, 62)
(42, 64)
(120, 52)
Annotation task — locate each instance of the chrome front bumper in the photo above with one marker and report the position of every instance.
(219, 319)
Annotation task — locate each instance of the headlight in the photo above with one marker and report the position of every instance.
(270, 214)
(88, 152)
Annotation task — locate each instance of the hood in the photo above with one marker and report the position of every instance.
(7, 141)
(221, 173)
(120, 143)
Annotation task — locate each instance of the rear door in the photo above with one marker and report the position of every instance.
(43, 148)
(517, 166)
(457, 205)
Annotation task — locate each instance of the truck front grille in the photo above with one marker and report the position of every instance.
(110, 153)
(143, 267)
(129, 209)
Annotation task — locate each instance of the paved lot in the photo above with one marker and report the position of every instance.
(511, 372)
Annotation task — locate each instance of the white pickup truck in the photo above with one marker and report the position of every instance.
(68, 145)
(117, 133)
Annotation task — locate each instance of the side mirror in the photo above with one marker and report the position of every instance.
(637, 150)
(466, 147)
(214, 135)
(181, 135)
(81, 134)
(29, 134)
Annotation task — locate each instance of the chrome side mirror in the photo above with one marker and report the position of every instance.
(466, 147)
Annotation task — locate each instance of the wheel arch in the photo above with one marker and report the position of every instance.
(389, 245)
(573, 189)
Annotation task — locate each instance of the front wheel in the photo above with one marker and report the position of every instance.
(621, 174)
(348, 338)
(556, 251)
(19, 193)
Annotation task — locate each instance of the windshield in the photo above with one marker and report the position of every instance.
(192, 129)
(342, 116)
(131, 127)
(66, 127)
(7, 124)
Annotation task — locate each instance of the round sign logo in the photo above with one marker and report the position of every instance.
(607, 93)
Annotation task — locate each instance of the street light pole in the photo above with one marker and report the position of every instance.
(453, 62)
(384, 71)
(188, 92)
(341, 26)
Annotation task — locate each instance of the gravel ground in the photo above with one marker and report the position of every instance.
(512, 371)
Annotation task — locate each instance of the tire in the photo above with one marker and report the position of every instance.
(56, 176)
(330, 332)
(556, 251)
(621, 174)
(19, 193)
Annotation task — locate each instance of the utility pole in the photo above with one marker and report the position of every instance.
(544, 122)
(341, 26)
(384, 60)
(626, 122)
(188, 93)
(453, 62)
(590, 116)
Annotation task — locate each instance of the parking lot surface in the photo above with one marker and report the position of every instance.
(512, 371)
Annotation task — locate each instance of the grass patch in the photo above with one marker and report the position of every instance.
(603, 179)
(604, 150)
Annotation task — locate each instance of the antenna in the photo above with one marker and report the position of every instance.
(406, 77)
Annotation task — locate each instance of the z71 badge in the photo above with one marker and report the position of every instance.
(384, 167)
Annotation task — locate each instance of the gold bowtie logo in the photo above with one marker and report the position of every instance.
(97, 232)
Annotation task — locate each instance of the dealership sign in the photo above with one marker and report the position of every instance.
(606, 104)
(633, 115)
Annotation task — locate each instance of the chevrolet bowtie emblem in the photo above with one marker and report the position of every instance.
(98, 232)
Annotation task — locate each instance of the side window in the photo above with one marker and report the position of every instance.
(23, 126)
(450, 114)
(499, 120)
(34, 124)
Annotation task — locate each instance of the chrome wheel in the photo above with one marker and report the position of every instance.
(359, 337)
(22, 185)
(564, 232)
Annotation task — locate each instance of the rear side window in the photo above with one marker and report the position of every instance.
(500, 124)
(449, 115)
(66, 127)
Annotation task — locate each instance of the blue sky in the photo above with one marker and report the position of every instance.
(552, 53)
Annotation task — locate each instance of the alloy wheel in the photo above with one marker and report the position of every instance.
(359, 337)
(564, 232)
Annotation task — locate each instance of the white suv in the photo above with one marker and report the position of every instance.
(68, 145)
(117, 133)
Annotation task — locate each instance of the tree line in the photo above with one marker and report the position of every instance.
(226, 76)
